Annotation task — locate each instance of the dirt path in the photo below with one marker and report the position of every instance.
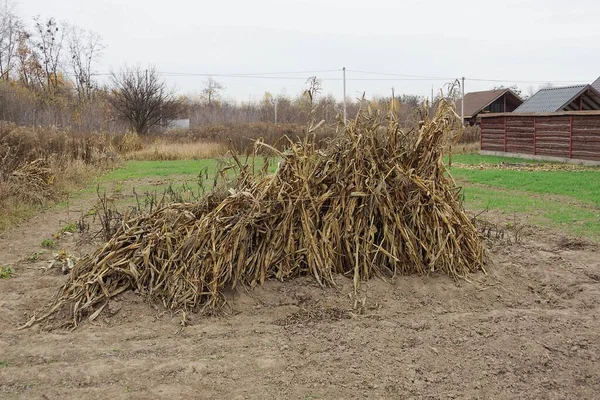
(529, 329)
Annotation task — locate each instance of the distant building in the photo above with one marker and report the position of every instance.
(488, 101)
(178, 124)
(569, 98)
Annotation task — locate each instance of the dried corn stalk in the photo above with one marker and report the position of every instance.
(377, 202)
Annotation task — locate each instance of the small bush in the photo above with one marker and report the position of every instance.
(241, 137)
(33, 257)
(6, 272)
(71, 228)
(49, 244)
(470, 135)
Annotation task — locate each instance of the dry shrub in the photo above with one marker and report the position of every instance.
(39, 165)
(465, 148)
(20, 145)
(242, 136)
(33, 182)
(376, 202)
(466, 142)
(470, 135)
(128, 142)
(162, 150)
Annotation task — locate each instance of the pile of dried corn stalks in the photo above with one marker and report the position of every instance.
(34, 181)
(377, 202)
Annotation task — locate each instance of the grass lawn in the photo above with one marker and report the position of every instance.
(147, 176)
(177, 169)
(156, 177)
(563, 213)
(568, 200)
(132, 170)
(474, 159)
(581, 185)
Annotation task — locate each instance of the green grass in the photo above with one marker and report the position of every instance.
(132, 173)
(6, 272)
(71, 228)
(581, 185)
(48, 243)
(566, 200)
(475, 159)
(132, 170)
(183, 169)
(33, 257)
(13, 213)
(559, 213)
(155, 177)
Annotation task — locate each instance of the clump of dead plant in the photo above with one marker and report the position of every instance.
(33, 182)
(376, 202)
(40, 165)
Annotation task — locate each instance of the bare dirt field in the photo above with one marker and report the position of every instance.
(528, 329)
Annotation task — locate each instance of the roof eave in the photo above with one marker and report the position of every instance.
(582, 91)
(493, 100)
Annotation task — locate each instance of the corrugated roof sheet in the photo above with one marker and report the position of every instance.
(550, 99)
(476, 101)
(596, 84)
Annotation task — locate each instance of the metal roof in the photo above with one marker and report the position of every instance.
(551, 99)
(596, 84)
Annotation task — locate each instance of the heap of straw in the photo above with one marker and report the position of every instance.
(34, 181)
(376, 202)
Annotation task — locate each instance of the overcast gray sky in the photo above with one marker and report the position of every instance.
(521, 41)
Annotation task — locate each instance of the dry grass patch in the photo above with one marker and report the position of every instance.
(39, 166)
(162, 150)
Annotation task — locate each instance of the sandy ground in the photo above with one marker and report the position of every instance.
(530, 329)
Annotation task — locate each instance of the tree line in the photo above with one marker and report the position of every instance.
(47, 78)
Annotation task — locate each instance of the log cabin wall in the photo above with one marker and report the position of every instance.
(574, 135)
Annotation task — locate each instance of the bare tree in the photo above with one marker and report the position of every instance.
(10, 27)
(514, 88)
(48, 45)
(85, 47)
(30, 71)
(211, 90)
(143, 99)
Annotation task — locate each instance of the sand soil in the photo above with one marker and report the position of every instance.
(529, 329)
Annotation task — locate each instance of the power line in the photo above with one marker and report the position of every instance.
(255, 73)
(403, 75)
(184, 75)
(266, 75)
(466, 78)
(518, 81)
(392, 76)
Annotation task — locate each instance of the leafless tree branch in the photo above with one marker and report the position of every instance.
(143, 99)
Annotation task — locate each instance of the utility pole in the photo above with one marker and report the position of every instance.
(248, 109)
(276, 102)
(462, 101)
(147, 109)
(344, 70)
(432, 97)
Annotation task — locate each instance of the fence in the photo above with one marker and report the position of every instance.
(570, 134)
